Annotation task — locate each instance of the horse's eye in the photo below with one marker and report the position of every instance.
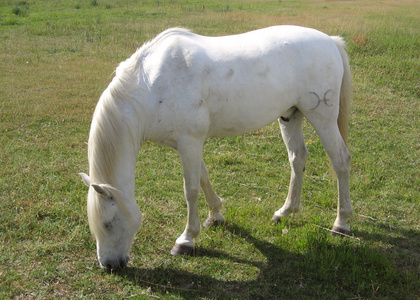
(108, 226)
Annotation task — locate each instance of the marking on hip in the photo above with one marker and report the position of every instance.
(324, 99)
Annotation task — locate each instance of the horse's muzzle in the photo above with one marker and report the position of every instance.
(111, 265)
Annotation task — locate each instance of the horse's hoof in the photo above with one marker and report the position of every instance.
(213, 223)
(336, 231)
(182, 250)
(276, 219)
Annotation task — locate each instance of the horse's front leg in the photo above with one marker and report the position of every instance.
(213, 201)
(190, 152)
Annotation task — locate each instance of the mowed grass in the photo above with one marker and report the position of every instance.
(56, 57)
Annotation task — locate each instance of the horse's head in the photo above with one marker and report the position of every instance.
(113, 221)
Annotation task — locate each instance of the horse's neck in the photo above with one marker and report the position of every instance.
(113, 158)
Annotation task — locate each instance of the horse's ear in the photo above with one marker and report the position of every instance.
(101, 189)
(85, 178)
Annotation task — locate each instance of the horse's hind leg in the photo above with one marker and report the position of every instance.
(291, 130)
(330, 136)
(213, 201)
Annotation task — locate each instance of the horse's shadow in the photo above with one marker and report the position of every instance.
(189, 285)
(283, 274)
(403, 239)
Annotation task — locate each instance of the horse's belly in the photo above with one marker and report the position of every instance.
(228, 129)
(249, 101)
(241, 116)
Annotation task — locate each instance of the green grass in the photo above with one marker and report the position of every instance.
(56, 57)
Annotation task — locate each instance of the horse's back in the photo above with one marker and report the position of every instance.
(236, 84)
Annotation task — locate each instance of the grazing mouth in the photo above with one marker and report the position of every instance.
(111, 265)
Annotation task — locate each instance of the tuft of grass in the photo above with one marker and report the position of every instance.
(21, 9)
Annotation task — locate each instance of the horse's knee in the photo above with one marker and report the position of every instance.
(204, 176)
(191, 194)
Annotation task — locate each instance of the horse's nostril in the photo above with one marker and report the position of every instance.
(108, 268)
(115, 265)
(123, 262)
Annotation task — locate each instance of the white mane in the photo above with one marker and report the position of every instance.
(108, 120)
(107, 125)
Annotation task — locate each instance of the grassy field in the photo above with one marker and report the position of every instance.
(56, 57)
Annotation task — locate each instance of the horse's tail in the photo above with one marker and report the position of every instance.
(346, 90)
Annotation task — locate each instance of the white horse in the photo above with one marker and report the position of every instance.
(181, 88)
